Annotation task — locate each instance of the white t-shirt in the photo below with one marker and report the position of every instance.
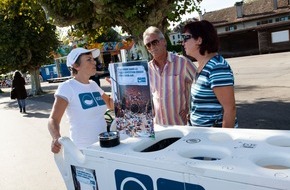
(85, 111)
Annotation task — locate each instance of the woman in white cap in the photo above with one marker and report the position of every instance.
(83, 100)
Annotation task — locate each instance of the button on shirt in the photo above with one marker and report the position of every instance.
(170, 89)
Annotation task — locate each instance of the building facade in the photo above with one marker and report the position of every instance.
(257, 27)
(175, 38)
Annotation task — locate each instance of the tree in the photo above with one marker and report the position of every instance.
(95, 35)
(26, 39)
(134, 16)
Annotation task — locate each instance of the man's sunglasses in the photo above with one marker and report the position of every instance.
(186, 37)
(152, 43)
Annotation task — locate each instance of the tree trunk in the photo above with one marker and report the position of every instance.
(35, 83)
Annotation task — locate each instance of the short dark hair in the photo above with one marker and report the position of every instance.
(207, 32)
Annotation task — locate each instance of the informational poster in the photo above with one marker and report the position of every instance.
(132, 98)
(84, 178)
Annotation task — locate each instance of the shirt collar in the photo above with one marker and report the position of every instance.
(168, 60)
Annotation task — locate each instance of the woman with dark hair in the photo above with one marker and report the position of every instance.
(212, 95)
(18, 83)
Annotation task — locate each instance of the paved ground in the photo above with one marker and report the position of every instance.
(262, 97)
(263, 90)
(26, 161)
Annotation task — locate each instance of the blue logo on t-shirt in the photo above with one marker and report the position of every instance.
(89, 100)
(98, 98)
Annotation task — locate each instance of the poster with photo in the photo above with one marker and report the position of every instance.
(132, 98)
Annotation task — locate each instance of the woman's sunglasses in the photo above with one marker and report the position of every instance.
(152, 43)
(186, 37)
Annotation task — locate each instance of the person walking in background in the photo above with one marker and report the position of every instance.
(18, 83)
(83, 100)
(171, 76)
(99, 72)
(212, 96)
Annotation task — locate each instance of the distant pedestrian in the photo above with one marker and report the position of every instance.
(18, 83)
(96, 77)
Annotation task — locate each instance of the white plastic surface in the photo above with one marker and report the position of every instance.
(206, 157)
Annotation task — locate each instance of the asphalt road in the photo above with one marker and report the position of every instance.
(262, 89)
(262, 97)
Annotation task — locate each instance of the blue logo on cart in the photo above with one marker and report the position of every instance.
(126, 180)
(132, 181)
(166, 184)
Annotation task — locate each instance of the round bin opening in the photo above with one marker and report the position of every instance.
(220, 137)
(274, 163)
(205, 153)
(280, 141)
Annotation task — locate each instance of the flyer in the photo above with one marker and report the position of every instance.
(132, 98)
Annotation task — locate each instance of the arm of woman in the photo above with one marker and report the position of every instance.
(226, 97)
(54, 120)
(108, 100)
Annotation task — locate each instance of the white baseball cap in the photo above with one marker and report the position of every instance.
(75, 53)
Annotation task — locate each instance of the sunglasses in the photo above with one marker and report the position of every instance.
(186, 37)
(152, 43)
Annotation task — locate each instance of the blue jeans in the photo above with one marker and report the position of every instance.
(21, 103)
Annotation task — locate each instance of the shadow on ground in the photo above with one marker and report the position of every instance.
(35, 114)
(264, 115)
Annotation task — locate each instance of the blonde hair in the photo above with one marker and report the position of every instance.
(153, 30)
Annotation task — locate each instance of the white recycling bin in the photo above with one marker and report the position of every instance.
(182, 158)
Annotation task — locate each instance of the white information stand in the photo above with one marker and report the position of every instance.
(183, 158)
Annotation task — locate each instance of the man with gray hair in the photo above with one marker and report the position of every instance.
(171, 76)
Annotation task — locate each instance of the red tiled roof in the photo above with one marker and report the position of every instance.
(252, 10)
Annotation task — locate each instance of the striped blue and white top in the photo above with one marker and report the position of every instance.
(205, 107)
